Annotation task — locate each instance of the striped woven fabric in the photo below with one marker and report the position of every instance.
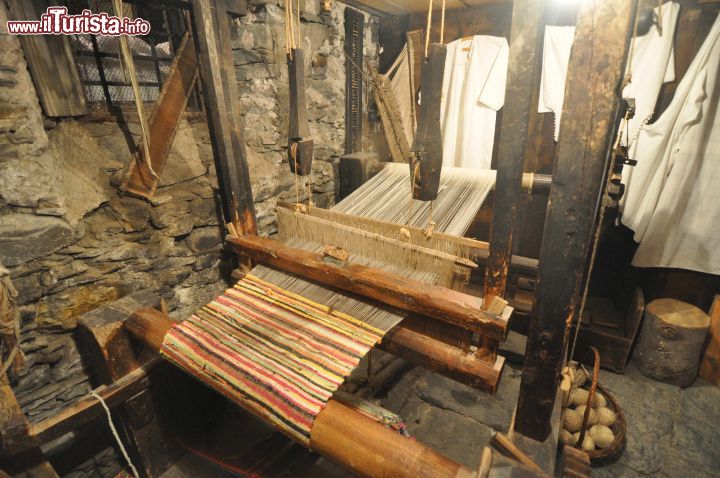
(277, 354)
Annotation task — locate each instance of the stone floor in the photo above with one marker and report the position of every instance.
(672, 432)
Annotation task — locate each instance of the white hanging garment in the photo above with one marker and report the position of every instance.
(673, 202)
(473, 92)
(556, 56)
(653, 64)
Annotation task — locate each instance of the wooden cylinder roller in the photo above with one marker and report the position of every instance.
(671, 341)
(340, 433)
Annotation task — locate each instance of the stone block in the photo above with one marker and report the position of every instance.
(203, 239)
(25, 236)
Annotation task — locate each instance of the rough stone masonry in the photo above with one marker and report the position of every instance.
(72, 242)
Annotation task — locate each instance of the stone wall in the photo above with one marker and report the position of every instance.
(261, 66)
(72, 243)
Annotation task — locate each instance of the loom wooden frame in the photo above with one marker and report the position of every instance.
(532, 418)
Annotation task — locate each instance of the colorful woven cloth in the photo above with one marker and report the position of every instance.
(277, 354)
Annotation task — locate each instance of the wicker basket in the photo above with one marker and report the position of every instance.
(619, 428)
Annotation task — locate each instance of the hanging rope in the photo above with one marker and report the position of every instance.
(115, 434)
(442, 22)
(128, 65)
(9, 323)
(427, 28)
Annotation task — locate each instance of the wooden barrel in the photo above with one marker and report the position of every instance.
(671, 341)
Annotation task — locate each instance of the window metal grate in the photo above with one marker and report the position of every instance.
(98, 57)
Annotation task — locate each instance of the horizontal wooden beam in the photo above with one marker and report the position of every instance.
(444, 359)
(433, 301)
(340, 433)
(84, 410)
(89, 408)
(477, 251)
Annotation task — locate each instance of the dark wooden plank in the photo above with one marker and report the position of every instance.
(15, 436)
(589, 117)
(437, 302)
(518, 125)
(427, 150)
(212, 27)
(354, 59)
(300, 142)
(164, 121)
(89, 408)
(51, 64)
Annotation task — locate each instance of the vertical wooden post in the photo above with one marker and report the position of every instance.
(217, 70)
(518, 123)
(588, 125)
(14, 429)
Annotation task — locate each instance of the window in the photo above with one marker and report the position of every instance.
(98, 57)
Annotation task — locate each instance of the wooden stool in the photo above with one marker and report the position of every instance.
(671, 340)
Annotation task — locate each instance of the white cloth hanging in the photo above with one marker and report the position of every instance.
(673, 200)
(473, 92)
(556, 57)
(653, 63)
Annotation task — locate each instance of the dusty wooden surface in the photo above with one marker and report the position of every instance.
(427, 150)
(221, 102)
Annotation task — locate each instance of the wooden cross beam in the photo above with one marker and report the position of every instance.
(434, 301)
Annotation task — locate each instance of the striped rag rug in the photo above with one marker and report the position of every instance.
(276, 354)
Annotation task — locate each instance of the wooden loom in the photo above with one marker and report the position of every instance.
(377, 451)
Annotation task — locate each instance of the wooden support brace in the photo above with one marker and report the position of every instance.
(590, 112)
(518, 122)
(355, 441)
(15, 437)
(164, 121)
(447, 360)
(434, 301)
(81, 412)
(212, 27)
(114, 358)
